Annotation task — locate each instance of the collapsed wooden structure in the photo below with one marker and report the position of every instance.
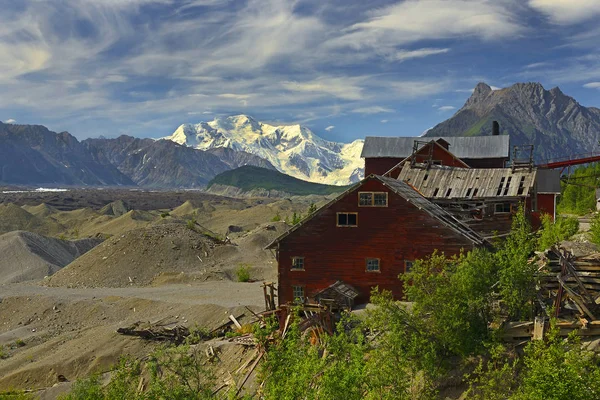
(568, 286)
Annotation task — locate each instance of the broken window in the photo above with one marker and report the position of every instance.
(365, 198)
(372, 264)
(502, 208)
(298, 293)
(372, 199)
(298, 263)
(448, 192)
(469, 192)
(435, 192)
(347, 219)
(475, 192)
(408, 264)
(425, 177)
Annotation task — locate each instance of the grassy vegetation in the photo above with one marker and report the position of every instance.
(553, 232)
(579, 196)
(243, 273)
(595, 229)
(249, 178)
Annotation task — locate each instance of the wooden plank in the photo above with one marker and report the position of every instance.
(235, 321)
(538, 328)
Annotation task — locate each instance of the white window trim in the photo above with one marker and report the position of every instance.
(293, 263)
(378, 270)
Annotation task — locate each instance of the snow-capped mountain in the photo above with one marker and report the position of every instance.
(292, 149)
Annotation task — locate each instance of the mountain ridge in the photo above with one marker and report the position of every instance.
(549, 119)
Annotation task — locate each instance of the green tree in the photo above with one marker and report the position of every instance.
(578, 191)
(312, 208)
(553, 232)
(556, 369)
(517, 273)
(454, 296)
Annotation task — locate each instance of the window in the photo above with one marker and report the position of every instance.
(298, 263)
(372, 199)
(435, 192)
(372, 264)
(475, 192)
(425, 177)
(347, 219)
(469, 192)
(502, 208)
(408, 264)
(298, 293)
(448, 192)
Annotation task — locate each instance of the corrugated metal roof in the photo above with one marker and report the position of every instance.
(460, 146)
(442, 182)
(548, 181)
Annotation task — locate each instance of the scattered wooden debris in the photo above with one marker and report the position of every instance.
(175, 334)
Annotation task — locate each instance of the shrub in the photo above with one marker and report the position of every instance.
(276, 218)
(191, 224)
(20, 343)
(553, 232)
(243, 273)
(3, 353)
(595, 229)
(164, 215)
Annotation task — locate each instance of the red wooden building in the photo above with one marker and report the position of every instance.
(366, 237)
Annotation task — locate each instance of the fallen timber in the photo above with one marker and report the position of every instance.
(568, 285)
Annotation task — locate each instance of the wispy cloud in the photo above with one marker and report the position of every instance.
(384, 121)
(446, 108)
(10, 121)
(372, 110)
(592, 85)
(330, 128)
(567, 11)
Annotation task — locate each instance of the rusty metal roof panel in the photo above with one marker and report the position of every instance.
(460, 146)
(442, 182)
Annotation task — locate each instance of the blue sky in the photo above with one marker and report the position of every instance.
(344, 68)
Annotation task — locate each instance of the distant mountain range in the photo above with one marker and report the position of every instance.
(31, 154)
(292, 149)
(194, 154)
(556, 124)
(164, 164)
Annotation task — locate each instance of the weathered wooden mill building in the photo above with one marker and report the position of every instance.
(366, 237)
(445, 194)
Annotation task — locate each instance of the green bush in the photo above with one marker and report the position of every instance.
(164, 215)
(276, 218)
(554, 232)
(191, 224)
(243, 273)
(174, 373)
(595, 229)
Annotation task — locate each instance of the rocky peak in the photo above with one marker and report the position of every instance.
(481, 91)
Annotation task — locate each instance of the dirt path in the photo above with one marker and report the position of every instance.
(222, 293)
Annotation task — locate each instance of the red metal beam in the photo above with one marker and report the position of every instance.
(568, 163)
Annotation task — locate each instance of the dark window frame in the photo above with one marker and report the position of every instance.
(502, 210)
(408, 264)
(337, 220)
